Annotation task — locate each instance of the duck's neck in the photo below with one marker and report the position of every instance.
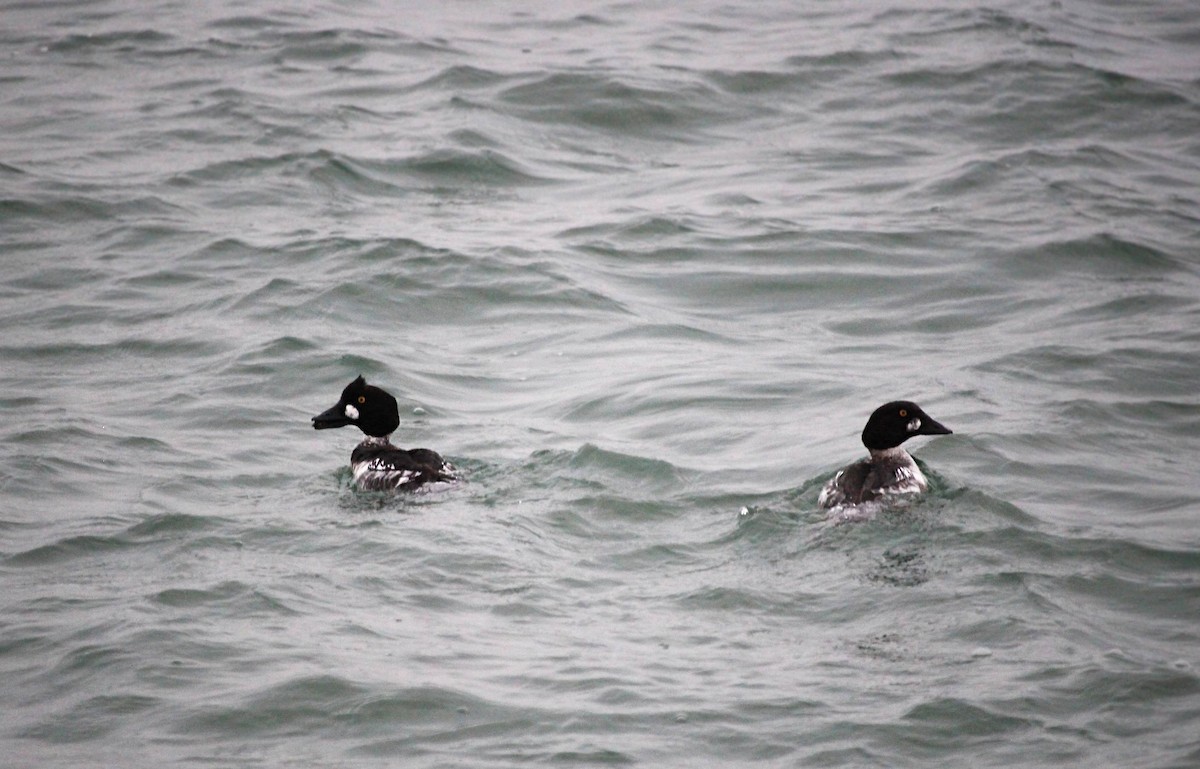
(377, 441)
(894, 454)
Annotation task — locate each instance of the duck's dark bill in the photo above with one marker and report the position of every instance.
(933, 427)
(334, 417)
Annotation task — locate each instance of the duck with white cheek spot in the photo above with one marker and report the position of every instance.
(377, 465)
(889, 469)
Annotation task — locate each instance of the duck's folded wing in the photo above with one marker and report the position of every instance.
(432, 459)
(383, 468)
(845, 488)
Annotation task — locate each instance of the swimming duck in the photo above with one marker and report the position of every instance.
(889, 469)
(376, 464)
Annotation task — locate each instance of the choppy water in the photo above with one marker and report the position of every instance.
(642, 271)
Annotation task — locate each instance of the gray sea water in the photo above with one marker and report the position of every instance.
(642, 270)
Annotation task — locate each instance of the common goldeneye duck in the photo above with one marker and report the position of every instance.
(377, 465)
(889, 469)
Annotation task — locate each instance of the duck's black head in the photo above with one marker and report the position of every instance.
(893, 423)
(368, 408)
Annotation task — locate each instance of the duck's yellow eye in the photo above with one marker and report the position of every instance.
(903, 412)
(363, 399)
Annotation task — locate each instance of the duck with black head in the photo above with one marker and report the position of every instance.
(889, 469)
(376, 464)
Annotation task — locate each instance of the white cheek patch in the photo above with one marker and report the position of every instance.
(914, 424)
(351, 412)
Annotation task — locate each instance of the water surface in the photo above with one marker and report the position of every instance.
(642, 272)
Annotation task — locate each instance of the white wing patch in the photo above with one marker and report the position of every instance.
(908, 479)
(379, 474)
(831, 494)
